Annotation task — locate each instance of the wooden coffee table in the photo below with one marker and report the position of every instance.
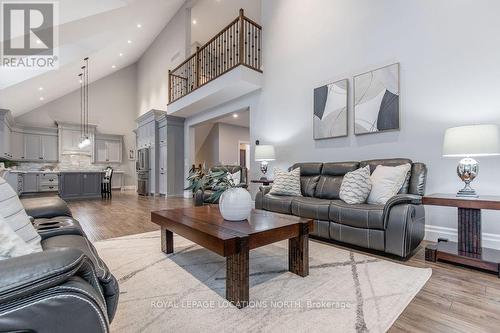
(233, 240)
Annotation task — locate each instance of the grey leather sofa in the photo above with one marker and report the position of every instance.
(202, 197)
(64, 288)
(396, 227)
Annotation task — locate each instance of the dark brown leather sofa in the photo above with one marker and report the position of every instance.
(396, 227)
(202, 197)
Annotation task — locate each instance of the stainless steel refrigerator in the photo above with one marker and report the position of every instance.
(143, 171)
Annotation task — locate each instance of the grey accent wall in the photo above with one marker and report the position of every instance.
(449, 77)
(208, 153)
(112, 107)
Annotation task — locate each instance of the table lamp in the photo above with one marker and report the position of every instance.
(468, 142)
(264, 154)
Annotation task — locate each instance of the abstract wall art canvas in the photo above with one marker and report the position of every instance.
(376, 100)
(330, 110)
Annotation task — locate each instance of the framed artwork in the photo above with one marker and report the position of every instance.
(376, 100)
(330, 110)
(131, 154)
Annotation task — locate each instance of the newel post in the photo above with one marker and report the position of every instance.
(197, 67)
(242, 36)
(169, 85)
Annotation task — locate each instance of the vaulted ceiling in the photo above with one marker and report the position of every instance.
(112, 33)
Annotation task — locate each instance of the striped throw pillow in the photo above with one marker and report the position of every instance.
(356, 186)
(15, 216)
(11, 245)
(286, 183)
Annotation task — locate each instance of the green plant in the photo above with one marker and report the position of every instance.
(10, 164)
(218, 181)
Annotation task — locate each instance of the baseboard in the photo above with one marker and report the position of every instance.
(129, 188)
(432, 233)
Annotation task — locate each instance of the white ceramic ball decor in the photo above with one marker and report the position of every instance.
(235, 204)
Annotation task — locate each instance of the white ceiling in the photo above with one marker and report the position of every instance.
(99, 29)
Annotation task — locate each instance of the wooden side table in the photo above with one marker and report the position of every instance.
(264, 182)
(468, 251)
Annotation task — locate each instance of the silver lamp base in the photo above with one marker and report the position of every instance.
(467, 170)
(263, 169)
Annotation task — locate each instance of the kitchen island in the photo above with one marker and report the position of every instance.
(80, 184)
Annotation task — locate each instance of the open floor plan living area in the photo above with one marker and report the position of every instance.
(249, 166)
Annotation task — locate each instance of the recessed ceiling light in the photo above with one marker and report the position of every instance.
(113, 66)
(235, 115)
(41, 98)
(40, 88)
(120, 54)
(139, 25)
(129, 41)
(38, 41)
(194, 21)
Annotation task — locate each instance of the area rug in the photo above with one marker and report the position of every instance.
(184, 291)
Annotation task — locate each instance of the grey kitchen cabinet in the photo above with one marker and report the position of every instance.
(48, 182)
(80, 185)
(30, 182)
(162, 179)
(17, 145)
(5, 142)
(108, 150)
(40, 147)
(162, 133)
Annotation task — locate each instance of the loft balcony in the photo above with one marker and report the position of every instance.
(226, 67)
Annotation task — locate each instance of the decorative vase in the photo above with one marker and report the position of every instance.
(235, 204)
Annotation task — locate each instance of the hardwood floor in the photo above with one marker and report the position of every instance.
(455, 299)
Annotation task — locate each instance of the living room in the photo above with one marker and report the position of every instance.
(365, 124)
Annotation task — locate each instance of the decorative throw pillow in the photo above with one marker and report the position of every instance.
(15, 216)
(286, 183)
(11, 245)
(386, 182)
(236, 177)
(356, 186)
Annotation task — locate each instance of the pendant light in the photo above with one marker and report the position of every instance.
(85, 140)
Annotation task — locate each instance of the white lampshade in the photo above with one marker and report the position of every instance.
(264, 153)
(470, 141)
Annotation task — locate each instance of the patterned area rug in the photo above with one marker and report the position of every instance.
(184, 291)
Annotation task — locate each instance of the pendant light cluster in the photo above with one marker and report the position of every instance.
(84, 105)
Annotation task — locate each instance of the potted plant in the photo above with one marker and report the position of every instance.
(235, 202)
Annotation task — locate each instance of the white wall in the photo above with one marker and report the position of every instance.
(229, 142)
(112, 107)
(167, 51)
(449, 52)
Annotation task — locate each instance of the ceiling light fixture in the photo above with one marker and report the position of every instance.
(84, 105)
(41, 98)
(40, 88)
(194, 21)
(235, 115)
(139, 25)
(38, 41)
(120, 54)
(113, 66)
(129, 41)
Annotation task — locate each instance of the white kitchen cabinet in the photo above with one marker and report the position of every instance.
(17, 145)
(69, 138)
(162, 179)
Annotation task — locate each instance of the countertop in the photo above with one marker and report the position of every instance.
(64, 171)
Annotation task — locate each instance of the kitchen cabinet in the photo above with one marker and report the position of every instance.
(162, 133)
(30, 182)
(162, 179)
(69, 138)
(108, 150)
(17, 145)
(80, 185)
(38, 147)
(5, 147)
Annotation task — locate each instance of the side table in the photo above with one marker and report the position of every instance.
(468, 250)
(264, 182)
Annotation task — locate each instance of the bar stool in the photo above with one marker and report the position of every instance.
(106, 183)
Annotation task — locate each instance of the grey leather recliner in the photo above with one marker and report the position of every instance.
(64, 288)
(397, 227)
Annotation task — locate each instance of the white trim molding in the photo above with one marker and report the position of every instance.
(432, 233)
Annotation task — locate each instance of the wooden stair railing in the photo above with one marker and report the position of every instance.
(239, 43)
